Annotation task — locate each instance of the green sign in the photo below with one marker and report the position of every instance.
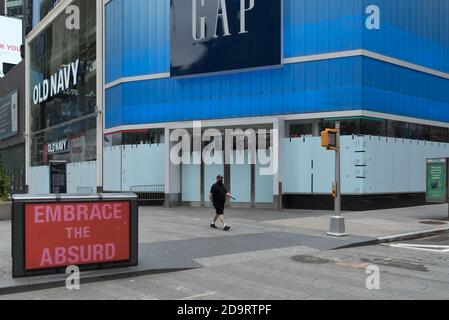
(436, 184)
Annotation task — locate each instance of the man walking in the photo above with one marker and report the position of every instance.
(217, 195)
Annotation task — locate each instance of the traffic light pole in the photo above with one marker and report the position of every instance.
(337, 200)
(337, 224)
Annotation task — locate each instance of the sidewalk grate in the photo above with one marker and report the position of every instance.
(310, 259)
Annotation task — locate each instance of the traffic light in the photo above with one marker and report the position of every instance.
(329, 139)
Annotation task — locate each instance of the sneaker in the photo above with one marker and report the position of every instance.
(226, 228)
(212, 225)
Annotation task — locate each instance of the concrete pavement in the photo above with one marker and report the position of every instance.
(289, 273)
(180, 238)
(377, 224)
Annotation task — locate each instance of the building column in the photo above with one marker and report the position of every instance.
(27, 117)
(100, 96)
(172, 176)
(277, 154)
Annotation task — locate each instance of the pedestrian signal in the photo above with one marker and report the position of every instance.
(329, 139)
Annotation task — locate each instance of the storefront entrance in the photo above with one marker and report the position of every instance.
(240, 168)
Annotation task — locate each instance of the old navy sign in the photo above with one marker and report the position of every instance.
(58, 146)
(58, 82)
(215, 36)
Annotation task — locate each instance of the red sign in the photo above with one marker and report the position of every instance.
(62, 234)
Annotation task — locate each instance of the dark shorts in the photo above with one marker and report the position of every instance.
(219, 208)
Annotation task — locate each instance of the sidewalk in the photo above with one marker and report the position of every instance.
(377, 224)
(179, 238)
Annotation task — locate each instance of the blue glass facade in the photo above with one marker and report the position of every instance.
(415, 31)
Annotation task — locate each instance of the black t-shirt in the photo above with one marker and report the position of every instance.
(218, 192)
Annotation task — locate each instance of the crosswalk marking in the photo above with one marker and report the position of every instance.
(422, 247)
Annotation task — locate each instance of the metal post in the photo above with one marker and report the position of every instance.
(337, 224)
(337, 200)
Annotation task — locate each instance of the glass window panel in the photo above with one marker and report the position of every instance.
(299, 130)
(71, 113)
(419, 131)
(397, 129)
(372, 127)
(350, 127)
(54, 49)
(81, 143)
(439, 134)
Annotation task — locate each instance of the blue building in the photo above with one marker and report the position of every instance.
(380, 67)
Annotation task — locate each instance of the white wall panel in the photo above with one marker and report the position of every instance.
(112, 168)
(264, 186)
(368, 165)
(39, 180)
(191, 182)
(82, 175)
(297, 165)
(143, 165)
(241, 178)
(133, 165)
(398, 165)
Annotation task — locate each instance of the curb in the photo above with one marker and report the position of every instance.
(372, 242)
(413, 235)
(58, 283)
(397, 237)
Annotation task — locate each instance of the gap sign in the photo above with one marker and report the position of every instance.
(90, 233)
(212, 36)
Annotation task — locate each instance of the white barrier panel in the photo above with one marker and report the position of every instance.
(133, 165)
(82, 177)
(264, 184)
(39, 180)
(308, 167)
(241, 177)
(112, 168)
(143, 165)
(398, 165)
(191, 182)
(369, 165)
